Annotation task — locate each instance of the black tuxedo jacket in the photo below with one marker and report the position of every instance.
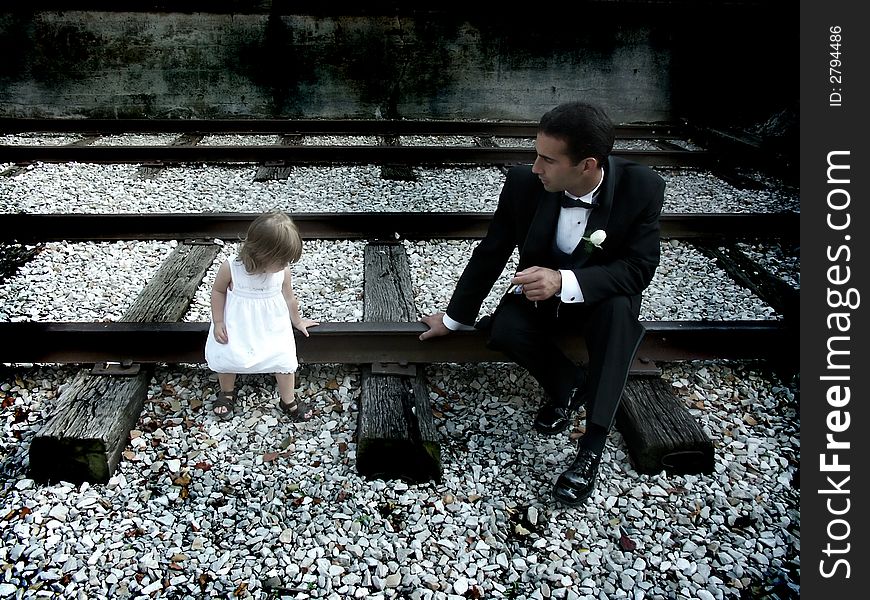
(630, 204)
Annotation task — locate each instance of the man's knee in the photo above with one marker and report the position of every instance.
(619, 306)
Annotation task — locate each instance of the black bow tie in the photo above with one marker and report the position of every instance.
(576, 203)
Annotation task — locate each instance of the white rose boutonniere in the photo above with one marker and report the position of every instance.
(596, 238)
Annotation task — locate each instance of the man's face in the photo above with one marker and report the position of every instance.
(554, 168)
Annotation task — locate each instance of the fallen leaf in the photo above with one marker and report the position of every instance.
(204, 580)
(332, 385)
(243, 588)
(202, 466)
(183, 479)
(627, 543)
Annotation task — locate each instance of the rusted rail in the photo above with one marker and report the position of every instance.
(277, 155)
(315, 127)
(34, 228)
(364, 342)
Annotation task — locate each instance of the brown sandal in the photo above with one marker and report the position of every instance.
(225, 400)
(297, 410)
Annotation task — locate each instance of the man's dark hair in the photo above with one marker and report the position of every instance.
(585, 129)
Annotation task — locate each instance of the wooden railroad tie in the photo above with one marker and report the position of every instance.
(659, 431)
(396, 436)
(84, 438)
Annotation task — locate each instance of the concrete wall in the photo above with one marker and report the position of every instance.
(263, 64)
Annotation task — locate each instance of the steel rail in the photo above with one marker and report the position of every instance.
(277, 155)
(367, 342)
(36, 228)
(315, 127)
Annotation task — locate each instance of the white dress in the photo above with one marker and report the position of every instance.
(258, 326)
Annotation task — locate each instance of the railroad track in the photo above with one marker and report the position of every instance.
(388, 149)
(371, 342)
(36, 228)
(346, 342)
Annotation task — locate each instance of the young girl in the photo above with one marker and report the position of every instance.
(253, 307)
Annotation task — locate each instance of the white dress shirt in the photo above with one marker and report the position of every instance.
(569, 232)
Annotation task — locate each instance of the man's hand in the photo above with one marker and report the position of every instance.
(436, 326)
(539, 283)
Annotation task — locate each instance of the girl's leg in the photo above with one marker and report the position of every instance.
(227, 381)
(226, 397)
(286, 383)
(290, 405)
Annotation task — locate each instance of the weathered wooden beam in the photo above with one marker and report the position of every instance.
(84, 438)
(278, 170)
(660, 433)
(396, 436)
(153, 170)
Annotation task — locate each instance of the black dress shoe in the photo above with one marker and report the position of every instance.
(552, 419)
(576, 484)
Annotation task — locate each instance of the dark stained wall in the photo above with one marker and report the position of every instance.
(645, 61)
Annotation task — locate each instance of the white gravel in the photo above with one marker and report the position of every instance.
(261, 508)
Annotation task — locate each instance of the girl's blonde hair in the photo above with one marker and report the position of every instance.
(271, 239)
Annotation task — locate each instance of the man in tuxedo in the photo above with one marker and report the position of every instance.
(587, 228)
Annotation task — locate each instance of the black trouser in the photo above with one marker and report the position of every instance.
(527, 334)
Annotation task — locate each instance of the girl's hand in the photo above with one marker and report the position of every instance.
(220, 333)
(304, 324)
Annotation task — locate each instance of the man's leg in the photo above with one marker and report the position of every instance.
(613, 334)
(525, 334)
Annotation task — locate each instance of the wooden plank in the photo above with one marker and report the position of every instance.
(151, 171)
(659, 431)
(84, 438)
(396, 436)
(396, 172)
(269, 172)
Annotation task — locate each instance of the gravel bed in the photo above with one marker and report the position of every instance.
(38, 139)
(784, 263)
(239, 140)
(160, 139)
(262, 508)
(693, 190)
(437, 140)
(340, 140)
(81, 282)
(87, 188)
(98, 281)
